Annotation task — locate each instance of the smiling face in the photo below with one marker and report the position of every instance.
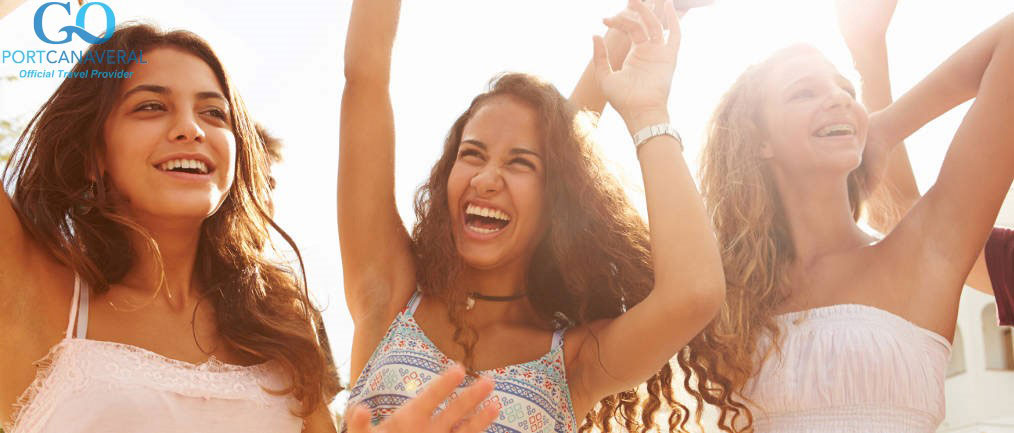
(170, 150)
(496, 188)
(813, 121)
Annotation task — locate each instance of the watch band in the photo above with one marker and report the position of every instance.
(647, 133)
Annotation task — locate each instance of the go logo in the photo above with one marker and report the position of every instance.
(78, 28)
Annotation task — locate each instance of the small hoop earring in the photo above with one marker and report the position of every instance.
(88, 197)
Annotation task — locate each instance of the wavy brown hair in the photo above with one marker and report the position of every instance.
(753, 234)
(261, 307)
(594, 261)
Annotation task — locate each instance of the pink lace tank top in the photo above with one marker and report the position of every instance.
(100, 386)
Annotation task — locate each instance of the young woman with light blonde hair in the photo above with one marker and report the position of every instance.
(826, 327)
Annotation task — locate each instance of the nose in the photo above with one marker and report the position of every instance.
(487, 181)
(839, 98)
(185, 128)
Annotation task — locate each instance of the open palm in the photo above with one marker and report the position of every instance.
(463, 414)
(643, 83)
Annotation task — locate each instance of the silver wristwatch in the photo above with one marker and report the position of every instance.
(642, 136)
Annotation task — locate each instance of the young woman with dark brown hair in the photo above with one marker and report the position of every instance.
(526, 262)
(140, 210)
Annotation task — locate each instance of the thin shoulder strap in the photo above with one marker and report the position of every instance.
(82, 311)
(72, 316)
(413, 303)
(557, 339)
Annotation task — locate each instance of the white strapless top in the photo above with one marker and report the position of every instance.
(850, 368)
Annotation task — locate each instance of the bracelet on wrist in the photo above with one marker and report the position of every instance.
(657, 130)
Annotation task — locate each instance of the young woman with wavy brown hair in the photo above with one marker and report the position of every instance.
(141, 207)
(527, 262)
(826, 327)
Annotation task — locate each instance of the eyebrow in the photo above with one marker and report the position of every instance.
(513, 151)
(838, 77)
(162, 90)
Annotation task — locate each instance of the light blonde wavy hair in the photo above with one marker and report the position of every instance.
(748, 216)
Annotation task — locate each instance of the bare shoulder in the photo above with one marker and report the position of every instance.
(894, 276)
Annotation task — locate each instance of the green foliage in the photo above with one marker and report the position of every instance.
(10, 130)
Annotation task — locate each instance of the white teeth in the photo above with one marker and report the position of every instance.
(487, 212)
(482, 230)
(837, 129)
(191, 164)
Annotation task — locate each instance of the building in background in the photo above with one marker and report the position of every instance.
(980, 377)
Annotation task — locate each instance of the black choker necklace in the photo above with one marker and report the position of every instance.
(472, 296)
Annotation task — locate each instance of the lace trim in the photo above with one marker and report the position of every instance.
(96, 360)
(212, 365)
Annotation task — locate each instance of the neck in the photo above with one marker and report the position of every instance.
(819, 216)
(499, 282)
(177, 244)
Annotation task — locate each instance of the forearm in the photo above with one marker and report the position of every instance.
(871, 63)
(370, 39)
(900, 190)
(684, 249)
(952, 83)
(587, 94)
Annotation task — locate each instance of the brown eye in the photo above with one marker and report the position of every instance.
(470, 153)
(150, 106)
(217, 113)
(524, 162)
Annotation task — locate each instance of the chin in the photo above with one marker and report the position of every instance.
(482, 260)
(181, 209)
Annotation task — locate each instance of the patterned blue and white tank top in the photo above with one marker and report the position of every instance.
(532, 396)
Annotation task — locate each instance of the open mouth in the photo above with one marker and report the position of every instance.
(189, 166)
(836, 130)
(485, 220)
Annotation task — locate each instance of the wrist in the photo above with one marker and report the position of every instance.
(869, 52)
(641, 119)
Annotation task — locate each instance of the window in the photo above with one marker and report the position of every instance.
(997, 341)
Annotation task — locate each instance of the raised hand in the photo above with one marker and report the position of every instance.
(864, 22)
(640, 89)
(417, 416)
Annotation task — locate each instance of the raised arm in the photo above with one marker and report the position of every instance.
(946, 229)
(689, 281)
(376, 258)
(587, 94)
(6, 6)
(863, 25)
(13, 254)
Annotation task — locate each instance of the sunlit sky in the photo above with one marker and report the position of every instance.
(286, 58)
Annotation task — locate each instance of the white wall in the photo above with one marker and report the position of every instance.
(979, 400)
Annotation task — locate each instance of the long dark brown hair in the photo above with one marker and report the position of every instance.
(749, 219)
(594, 261)
(261, 307)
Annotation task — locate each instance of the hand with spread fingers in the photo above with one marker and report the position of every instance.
(463, 414)
(640, 88)
(864, 22)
